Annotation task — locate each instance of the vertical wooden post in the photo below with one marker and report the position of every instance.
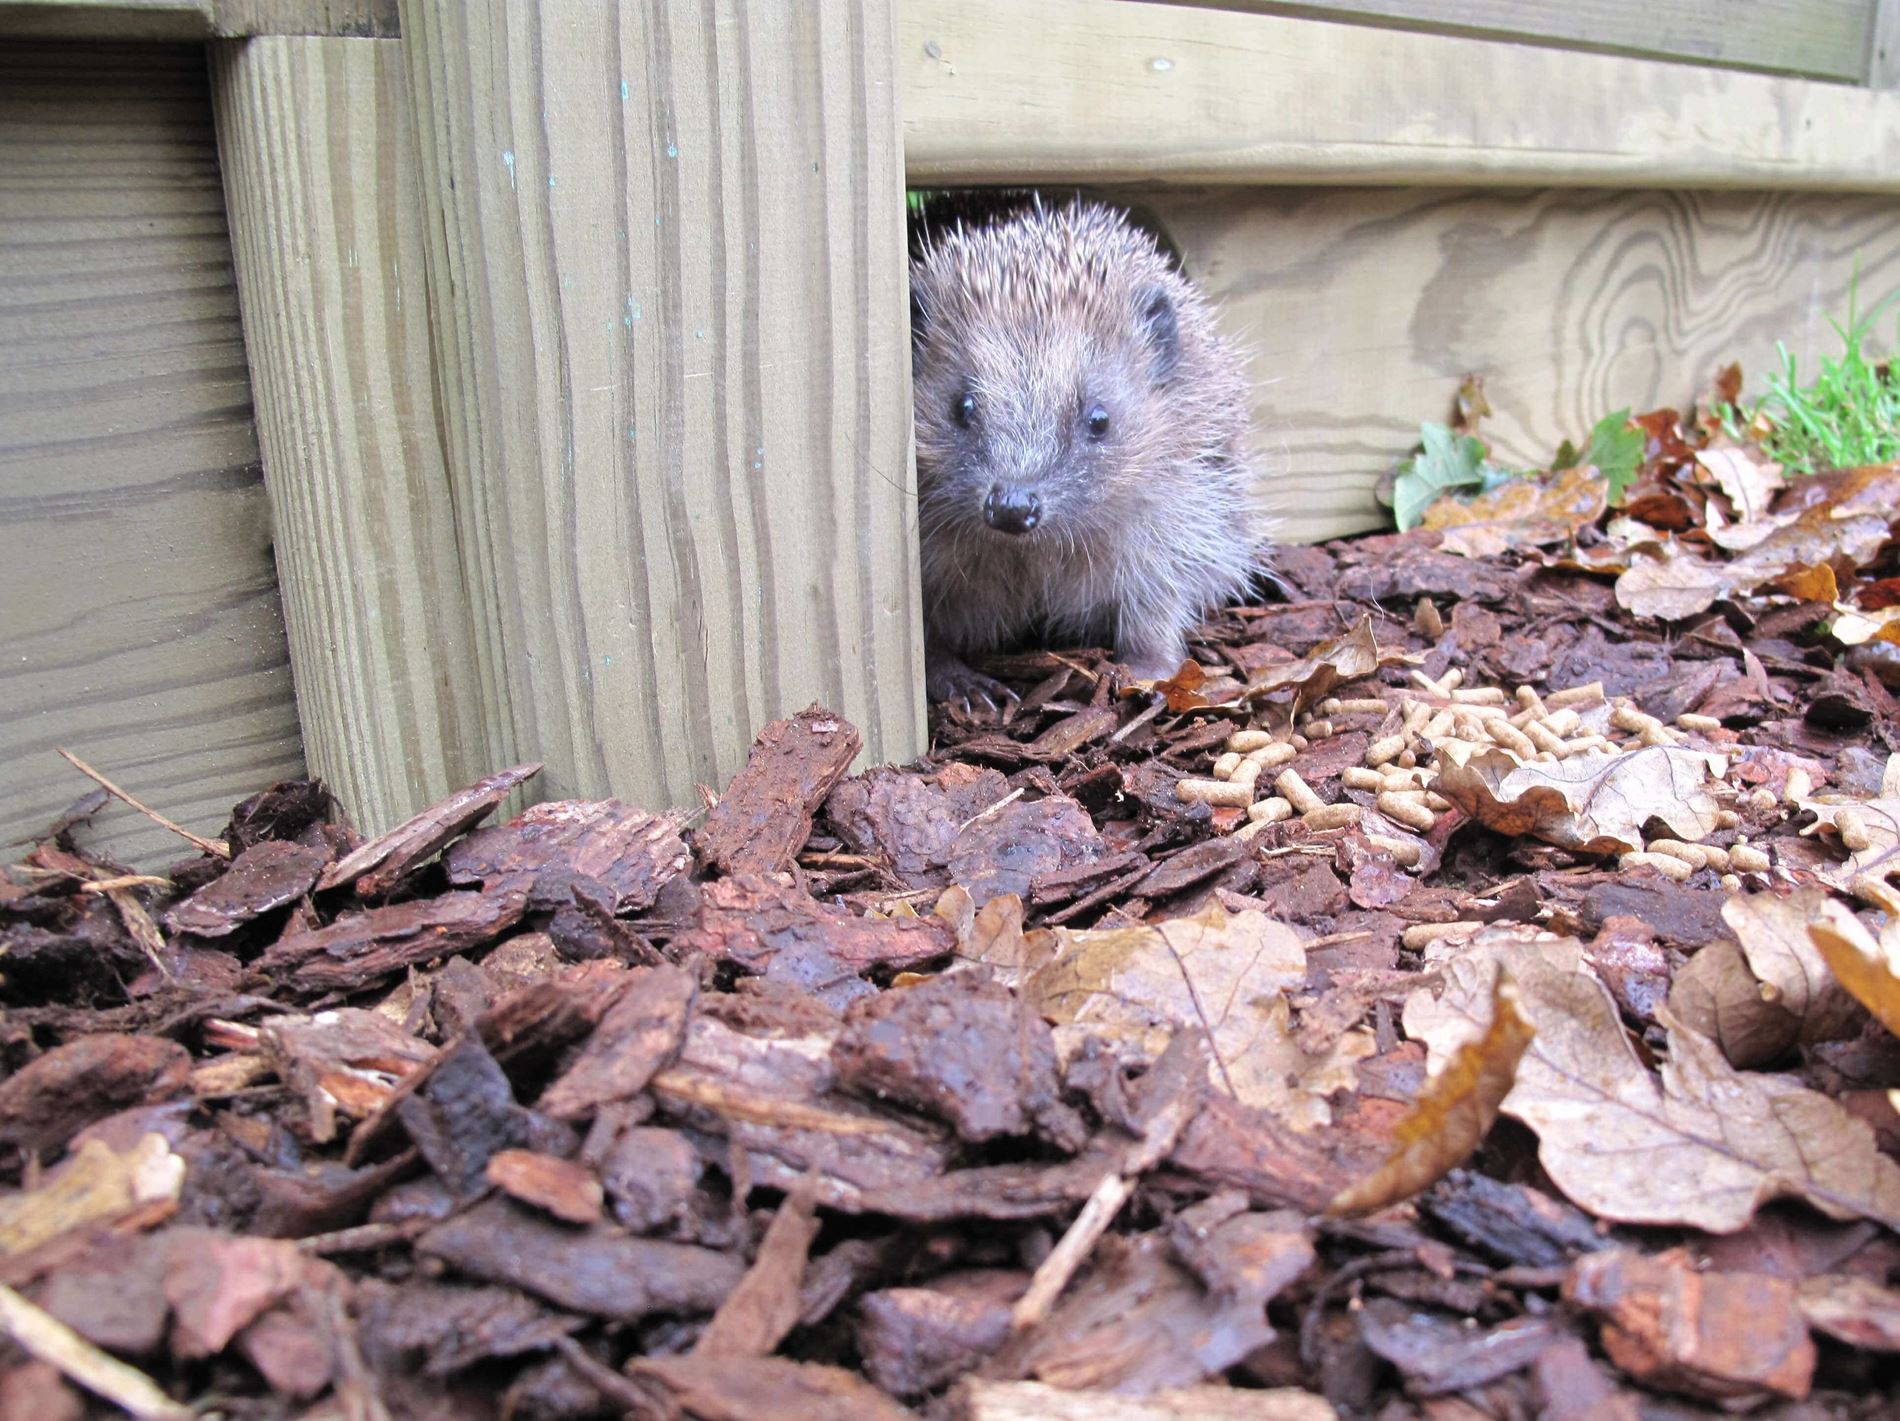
(1883, 56)
(667, 263)
(326, 226)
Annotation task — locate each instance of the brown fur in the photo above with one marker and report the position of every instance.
(1044, 314)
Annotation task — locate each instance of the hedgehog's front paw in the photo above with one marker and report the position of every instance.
(1155, 659)
(948, 677)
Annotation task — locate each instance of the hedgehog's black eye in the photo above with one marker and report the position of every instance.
(1098, 421)
(963, 409)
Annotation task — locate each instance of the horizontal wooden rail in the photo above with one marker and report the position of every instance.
(1823, 39)
(1112, 90)
(156, 20)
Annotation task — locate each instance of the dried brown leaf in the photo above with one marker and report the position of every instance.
(1226, 973)
(1704, 1145)
(1315, 675)
(1864, 966)
(1452, 1114)
(1520, 512)
(1592, 803)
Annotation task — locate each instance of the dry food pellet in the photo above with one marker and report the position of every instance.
(1299, 742)
(1689, 720)
(1625, 716)
(1727, 819)
(1439, 726)
(1245, 740)
(1380, 751)
(1218, 793)
(1404, 779)
(1564, 723)
(1332, 816)
(1364, 705)
(1763, 800)
(1297, 791)
(1270, 810)
(1715, 856)
(1547, 740)
(1452, 680)
(1416, 714)
(1405, 852)
(1248, 830)
(1692, 854)
(1276, 753)
(1852, 828)
(1428, 685)
(1402, 808)
(1225, 766)
(1529, 700)
(1436, 801)
(1246, 772)
(1585, 744)
(1408, 759)
(1359, 777)
(1658, 734)
(1512, 739)
(1800, 785)
(1492, 696)
(1665, 865)
(1425, 934)
(1318, 729)
(1732, 882)
(1746, 858)
(1588, 695)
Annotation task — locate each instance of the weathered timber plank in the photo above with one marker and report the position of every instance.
(1823, 39)
(1883, 52)
(149, 20)
(138, 605)
(668, 268)
(1116, 90)
(1365, 307)
(326, 223)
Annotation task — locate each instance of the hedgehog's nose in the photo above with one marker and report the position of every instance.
(1012, 510)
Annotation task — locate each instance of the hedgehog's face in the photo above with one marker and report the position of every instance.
(1030, 421)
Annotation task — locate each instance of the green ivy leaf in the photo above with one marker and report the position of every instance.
(1616, 448)
(1446, 461)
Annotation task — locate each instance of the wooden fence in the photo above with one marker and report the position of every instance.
(570, 339)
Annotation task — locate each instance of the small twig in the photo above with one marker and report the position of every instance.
(1194, 999)
(53, 1342)
(986, 812)
(1054, 1272)
(209, 846)
(604, 1379)
(363, 1237)
(1154, 709)
(125, 880)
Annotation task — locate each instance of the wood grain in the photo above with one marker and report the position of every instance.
(1115, 90)
(668, 268)
(326, 220)
(1883, 56)
(1824, 39)
(138, 607)
(1365, 307)
(160, 20)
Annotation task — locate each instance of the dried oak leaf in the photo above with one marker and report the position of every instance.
(1520, 512)
(1844, 520)
(1591, 803)
(1878, 817)
(1785, 959)
(1227, 973)
(1314, 676)
(1853, 627)
(1732, 1337)
(1452, 1114)
(380, 864)
(1704, 1145)
(1867, 967)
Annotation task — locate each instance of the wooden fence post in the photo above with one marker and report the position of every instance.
(326, 226)
(667, 270)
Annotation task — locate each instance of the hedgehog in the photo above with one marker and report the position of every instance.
(1082, 466)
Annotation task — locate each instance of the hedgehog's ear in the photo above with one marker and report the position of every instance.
(1162, 332)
